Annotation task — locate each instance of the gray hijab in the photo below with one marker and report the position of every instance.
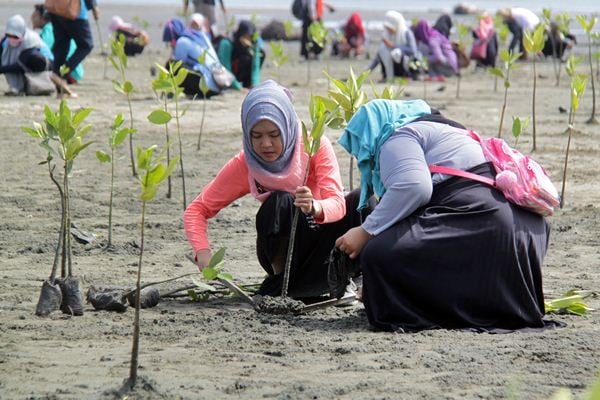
(10, 55)
(272, 102)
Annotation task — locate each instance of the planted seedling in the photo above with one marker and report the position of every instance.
(278, 57)
(319, 116)
(390, 92)
(578, 83)
(118, 59)
(168, 83)
(509, 59)
(503, 31)
(117, 136)
(588, 26)
(571, 302)
(347, 97)
(204, 89)
(464, 39)
(596, 39)
(317, 34)
(153, 173)
(518, 126)
(288, 27)
(61, 134)
(534, 43)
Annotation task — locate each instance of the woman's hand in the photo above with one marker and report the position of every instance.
(353, 241)
(306, 203)
(203, 258)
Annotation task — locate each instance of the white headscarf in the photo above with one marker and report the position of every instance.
(395, 21)
(10, 55)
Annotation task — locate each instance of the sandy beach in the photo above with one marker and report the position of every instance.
(221, 348)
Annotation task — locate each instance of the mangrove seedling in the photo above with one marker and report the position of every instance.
(518, 126)
(348, 97)
(464, 39)
(571, 302)
(203, 86)
(509, 59)
(317, 34)
(534, 43)
(169, 82)
(117, 136)
(503, 31)
(61, 134)
(588, 26)
(278, 57)
(320, 117)
(118, 59)
(153, 173)
(578, 83)
(288, 27)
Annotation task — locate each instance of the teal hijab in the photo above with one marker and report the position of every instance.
(366, 132)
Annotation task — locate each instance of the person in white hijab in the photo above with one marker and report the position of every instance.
(20, 47)
(398, 45)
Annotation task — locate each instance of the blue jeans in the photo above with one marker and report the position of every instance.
(65, 30)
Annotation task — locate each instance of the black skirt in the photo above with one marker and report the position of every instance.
(468, 259)
(312, 245)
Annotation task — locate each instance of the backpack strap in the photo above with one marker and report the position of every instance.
(464, 174)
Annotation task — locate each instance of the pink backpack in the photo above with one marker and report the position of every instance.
(520, 178)
(479, 49)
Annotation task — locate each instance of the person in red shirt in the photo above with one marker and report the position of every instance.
(271, 167)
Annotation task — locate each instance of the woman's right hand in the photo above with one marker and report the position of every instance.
(203, 258)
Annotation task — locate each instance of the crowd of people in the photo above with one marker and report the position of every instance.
(434, 250)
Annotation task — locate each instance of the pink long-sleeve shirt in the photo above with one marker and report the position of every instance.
(232, 182)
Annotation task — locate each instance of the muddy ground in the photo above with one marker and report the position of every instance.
(221, 348)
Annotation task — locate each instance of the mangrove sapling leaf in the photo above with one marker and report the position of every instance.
(534, 44)
(118, 59)
(571, 302)
(348, 97)
(278, 57)
(578, 83)
(518, 126)
(317, 33)
(588, 26)
(320, 116)
(153, 173)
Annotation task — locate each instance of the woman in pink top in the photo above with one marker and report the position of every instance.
(271, 167)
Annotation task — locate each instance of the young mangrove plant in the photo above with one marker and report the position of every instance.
(348, 97)
(502, 31)
(317, 34)
(578, 83)
(117, 136)
(509, 59)
(312, 142)
(168, 82)
(118, 59)
(464, 39)
(588, 26)
(203, 86)
(61, 134)
(278, 57)
(534, 43)
(153, 173)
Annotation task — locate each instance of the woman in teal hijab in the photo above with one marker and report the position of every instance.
(438, 251)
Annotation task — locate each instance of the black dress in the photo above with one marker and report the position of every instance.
(467, 259)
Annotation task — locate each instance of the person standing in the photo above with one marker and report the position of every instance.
(78, 30)
(206, 8)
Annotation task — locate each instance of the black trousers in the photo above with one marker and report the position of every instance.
(308, 273)
(65, 30)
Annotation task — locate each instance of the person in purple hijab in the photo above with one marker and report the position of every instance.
(438, 50)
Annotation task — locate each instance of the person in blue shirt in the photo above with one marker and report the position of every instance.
(192, 43)
(78, 30)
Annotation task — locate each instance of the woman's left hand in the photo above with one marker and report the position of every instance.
(353, 241)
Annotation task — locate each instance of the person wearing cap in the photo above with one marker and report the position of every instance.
(21, 49)
(191, 45)
(78, 30)
(135, 39)
(272, 167)
(40, 20)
